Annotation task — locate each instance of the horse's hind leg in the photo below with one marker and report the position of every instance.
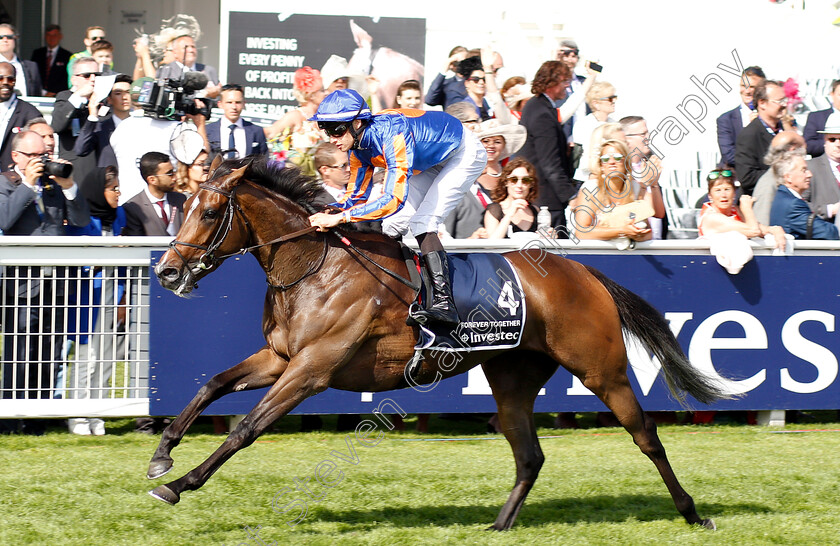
(290, 390)
(516, 383)
(617, 394)
(257, 371)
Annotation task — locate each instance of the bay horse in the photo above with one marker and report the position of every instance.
(333, 320)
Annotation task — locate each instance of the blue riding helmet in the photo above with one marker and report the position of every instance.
(342, 105)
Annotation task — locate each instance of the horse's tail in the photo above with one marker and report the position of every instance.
(644, 322)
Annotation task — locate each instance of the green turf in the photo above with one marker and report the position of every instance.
(595, 488)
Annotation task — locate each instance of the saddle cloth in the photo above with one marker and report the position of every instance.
(490, 303)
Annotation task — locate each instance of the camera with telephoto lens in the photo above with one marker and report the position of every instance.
(56, 169)
(172, 99)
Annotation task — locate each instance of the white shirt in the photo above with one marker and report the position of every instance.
(20, 82)
(833, 164)
(6, 110)
(337, 193)
(746, 115)
(238, 136)
(154, 134)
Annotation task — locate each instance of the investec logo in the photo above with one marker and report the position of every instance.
(492, 337)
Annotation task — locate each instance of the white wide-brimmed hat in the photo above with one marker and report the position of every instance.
(334, 68)
(832, 125)
(514, 135)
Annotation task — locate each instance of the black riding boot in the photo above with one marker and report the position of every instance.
(441, 306)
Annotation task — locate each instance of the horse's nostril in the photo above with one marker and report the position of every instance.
(168, 274)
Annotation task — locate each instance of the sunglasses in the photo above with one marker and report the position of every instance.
(611, 98)
(87, 75)
(7, 36)
(115, 189)
(169, 173)
(476, 79)
(96, 38)
(714, 175)
(615, 157)
(567, 52)
(832, 139)
(7, 79)
(340, 167)
(525, 180)
(334, 129)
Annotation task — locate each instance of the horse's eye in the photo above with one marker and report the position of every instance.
(210, 214)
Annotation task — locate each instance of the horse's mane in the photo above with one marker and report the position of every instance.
(274, 176)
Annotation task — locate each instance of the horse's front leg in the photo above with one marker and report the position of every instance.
(261, 369)
(296, 384)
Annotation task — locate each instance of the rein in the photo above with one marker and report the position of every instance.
(209, 258)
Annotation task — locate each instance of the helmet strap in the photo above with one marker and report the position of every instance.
(353, 132)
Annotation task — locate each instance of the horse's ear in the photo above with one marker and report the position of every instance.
(232, 180)
(216, 162)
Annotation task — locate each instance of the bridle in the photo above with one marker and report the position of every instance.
(209, 259)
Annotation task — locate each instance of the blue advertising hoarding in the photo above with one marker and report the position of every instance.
(768, 330)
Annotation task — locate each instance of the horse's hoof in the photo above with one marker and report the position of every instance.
(708, 523)
(165, 494)
(158, 468)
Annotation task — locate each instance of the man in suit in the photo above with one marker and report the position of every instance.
(546, 144)
(765, 189)
(231, 134)
(52, 62)
(29, 80)
(789, 209)
(95, 135)
(448, 87)
(159, 209)
(21, 112)
(185, 51)
(816, 122)
(70, 114)
(730, 123)
(824, 193)
(32, 203)
(752, 143)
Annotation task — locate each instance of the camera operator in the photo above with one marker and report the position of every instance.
(152, 126)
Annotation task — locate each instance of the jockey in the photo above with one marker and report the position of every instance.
(430, 161)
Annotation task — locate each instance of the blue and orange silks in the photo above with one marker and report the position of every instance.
(403, 142)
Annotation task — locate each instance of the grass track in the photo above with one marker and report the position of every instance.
(595, 488)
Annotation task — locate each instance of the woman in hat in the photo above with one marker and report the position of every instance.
(500, 142)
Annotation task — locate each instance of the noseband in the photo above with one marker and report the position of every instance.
(209, 259)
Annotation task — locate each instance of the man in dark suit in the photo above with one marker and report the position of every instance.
(95, 136)
(448, 87)
(52, 61)
(232, 134)
(70, 114)
(816, 122)
(789, 209)
(824, 193)
(546, 144)
(32, 203)
(754, 140)
(21, 112)
(29, 81)
(730, 123)
(158, 210)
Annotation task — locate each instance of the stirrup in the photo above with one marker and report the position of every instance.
(412, 369)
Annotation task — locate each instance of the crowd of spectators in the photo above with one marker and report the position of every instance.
(552, 140)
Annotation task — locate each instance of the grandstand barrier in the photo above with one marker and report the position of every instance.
(769, 331)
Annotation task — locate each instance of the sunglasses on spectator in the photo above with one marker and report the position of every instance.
(714, 175)
(7, 36)
(524, 179)
(567, 52)
(7, 79)
(115, 189)
(96, 38)
(832, 139)
(476, 79)
(611, 98)
(340, 167)
(87, 75)
(334, 129)
(615, 157)
(780, 102)
(169, 173)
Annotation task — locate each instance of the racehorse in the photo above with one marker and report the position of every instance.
(358, 339)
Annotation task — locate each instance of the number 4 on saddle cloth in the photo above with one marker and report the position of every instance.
(490, 303)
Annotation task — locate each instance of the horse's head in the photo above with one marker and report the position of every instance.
(214, 228)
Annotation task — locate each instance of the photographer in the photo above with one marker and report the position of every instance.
(35, 199)
(168, 107)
